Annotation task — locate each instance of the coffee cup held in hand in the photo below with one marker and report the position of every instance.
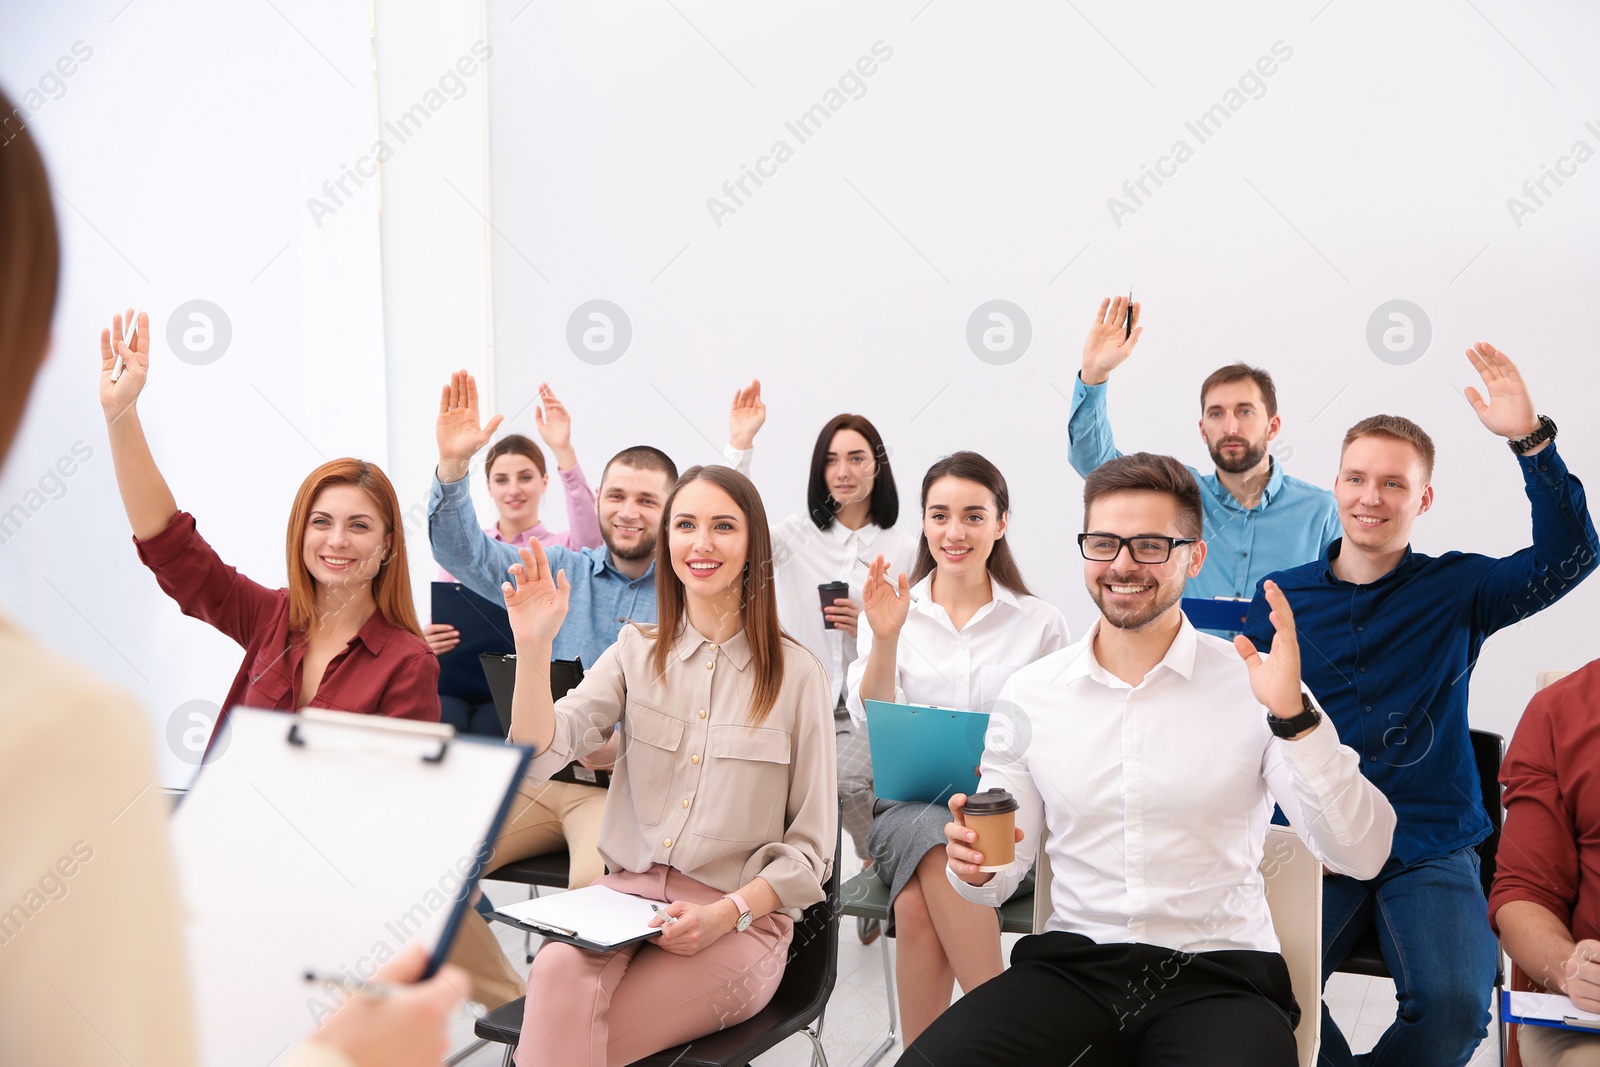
(828, 592)
(992, 815)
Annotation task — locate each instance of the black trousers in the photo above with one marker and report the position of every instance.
(1068, 1002)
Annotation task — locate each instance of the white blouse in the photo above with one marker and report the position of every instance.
(937, 664)
(804, 557)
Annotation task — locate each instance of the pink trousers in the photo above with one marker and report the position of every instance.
(607, 1009)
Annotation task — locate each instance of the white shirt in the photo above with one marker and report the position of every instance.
(1156, 798)
(937, 664)
(804, 557)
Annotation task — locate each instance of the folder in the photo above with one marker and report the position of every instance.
(484, 627)
(325, 841)
(565, 674)
(1546, 1009)
(1222, 613)
(920, 752)
(595, 917)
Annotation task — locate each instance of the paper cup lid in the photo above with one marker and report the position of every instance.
(990, 802)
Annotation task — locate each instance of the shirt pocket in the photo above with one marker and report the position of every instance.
(651, 740)
(744, 789)
(270, 682)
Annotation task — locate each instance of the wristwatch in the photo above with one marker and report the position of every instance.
(1546, 432)
(1309, 716)
(745, 918)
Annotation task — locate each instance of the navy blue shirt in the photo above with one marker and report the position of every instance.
(1389, 661)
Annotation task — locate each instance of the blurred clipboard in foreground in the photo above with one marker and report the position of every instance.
(325, 841)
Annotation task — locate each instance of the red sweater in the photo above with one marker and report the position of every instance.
(384, 670)
(1550, 848)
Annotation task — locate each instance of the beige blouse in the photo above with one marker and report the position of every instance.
(697, 786)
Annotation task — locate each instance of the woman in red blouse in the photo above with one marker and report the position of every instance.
(344, 634)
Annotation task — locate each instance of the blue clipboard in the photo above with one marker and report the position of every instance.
(1582, 1026)
(1222, 614)
(484, 627)
(924, 753)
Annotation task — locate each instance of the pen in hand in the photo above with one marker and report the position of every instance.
(352, 984)
(665, 918)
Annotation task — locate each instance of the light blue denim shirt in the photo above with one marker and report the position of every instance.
(603, 598)
(1291, 525)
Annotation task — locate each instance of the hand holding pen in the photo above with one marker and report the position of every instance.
(124, 362)
(688, 928)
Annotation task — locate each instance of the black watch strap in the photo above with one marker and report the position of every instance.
(1309, 716)
(1546, 432)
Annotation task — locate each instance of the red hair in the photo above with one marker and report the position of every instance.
(391, 586)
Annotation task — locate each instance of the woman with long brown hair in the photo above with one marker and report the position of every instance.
(344, 634)
(950, 635)
(722, 804)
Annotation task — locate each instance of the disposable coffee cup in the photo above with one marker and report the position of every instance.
(828, 592)
(992, 815)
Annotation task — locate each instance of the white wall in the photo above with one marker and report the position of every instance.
(1375, 165)
(977, 163)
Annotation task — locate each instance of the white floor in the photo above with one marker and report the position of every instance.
(857, 1015)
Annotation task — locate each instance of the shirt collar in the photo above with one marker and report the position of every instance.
(375, 632)
(843, 533)
(1179, 657)
(1407, 561)
(600, 560)
(1268, 495)
(922, 592)
(690, 641)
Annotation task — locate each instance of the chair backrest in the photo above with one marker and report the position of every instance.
(1041, 890)
(814, 950)
(1488, 749)
(1293, 876)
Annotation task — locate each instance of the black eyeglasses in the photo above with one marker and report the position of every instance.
(1145, 548)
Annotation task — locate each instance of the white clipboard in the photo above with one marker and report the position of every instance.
(595, 917)
(325, 841)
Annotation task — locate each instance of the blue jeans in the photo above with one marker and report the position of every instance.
(478, 719)
(1433, 928)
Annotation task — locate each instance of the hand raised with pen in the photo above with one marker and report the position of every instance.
(1108, 343)
(458, 430)
(1509, 409)
(884, 605)
(537, 601)
(118, 396)
(746, 417)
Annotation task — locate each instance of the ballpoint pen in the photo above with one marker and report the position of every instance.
(352, 984)
(130, 331)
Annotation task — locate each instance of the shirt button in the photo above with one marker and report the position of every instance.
(1372, 759)
(666, 842)
(686, 802)
(702, 713)
(1244, 553)
(712, 647)
(1360, 628)
(710, 665)
(695, 758)
(1367, 708)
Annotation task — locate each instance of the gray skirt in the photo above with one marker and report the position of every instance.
(902, 833)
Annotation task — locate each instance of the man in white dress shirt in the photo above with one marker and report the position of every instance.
(1155, 758)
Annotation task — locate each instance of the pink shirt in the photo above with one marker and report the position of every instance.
(582, 518)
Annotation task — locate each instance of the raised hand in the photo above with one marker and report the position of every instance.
(746, 416)
(1275, 681)
(1108, 344)
(537, 602)
(885, 606)
(117, 397)
(458, 430)
(555, 426)
(1509, 409)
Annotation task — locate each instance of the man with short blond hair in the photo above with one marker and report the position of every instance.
(1389, 639)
